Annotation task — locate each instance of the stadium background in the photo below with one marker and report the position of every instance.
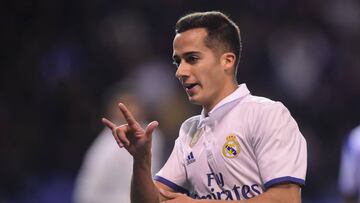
(58, 57)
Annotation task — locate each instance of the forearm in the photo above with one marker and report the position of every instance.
(286, 193)
(258, 199)
(143, 188)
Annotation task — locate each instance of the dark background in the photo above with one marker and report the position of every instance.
(58, 57)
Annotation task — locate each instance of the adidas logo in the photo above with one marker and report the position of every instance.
(190, 159)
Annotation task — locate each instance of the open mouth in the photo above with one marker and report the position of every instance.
(190, 86)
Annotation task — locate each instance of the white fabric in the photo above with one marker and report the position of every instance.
(106, 172)
(349, 178)
(270, 150)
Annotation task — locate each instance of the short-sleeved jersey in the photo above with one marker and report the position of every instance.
(349, 178)
(245, 145)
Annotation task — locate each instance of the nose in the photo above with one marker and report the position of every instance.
(182, 71)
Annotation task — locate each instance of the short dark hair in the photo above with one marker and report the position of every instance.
(220, 30)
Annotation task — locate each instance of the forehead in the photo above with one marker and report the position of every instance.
(190, 40)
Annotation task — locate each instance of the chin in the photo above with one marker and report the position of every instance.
(191, 100)
(194, 100)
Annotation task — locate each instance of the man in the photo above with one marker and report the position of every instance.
(242, 147)
(349, 178)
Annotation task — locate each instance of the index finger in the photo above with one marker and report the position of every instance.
(127, 115)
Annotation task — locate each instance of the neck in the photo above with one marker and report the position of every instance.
(227, 91)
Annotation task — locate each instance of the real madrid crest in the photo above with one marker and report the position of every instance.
(231, 148)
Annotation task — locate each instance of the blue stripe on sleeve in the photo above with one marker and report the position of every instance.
(171, 185)
(286, 179)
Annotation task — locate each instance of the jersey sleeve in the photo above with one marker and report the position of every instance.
(279, 147)
(173, 173)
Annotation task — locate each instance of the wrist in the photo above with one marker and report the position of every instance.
(142, 161)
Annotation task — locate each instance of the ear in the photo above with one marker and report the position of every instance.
(228, 61)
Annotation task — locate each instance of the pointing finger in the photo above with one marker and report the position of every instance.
(128, 116)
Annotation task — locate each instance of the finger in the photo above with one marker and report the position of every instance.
(121, 145)
(150, 128)
(121, 134)
(116, 137)
(108, 123)
(128, 116)
(112, 127)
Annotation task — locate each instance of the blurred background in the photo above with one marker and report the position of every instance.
(59, 57)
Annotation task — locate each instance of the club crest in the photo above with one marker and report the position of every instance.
(231, 148)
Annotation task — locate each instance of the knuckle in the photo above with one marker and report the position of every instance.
(115, 131)
(119, 129)
(124, 126)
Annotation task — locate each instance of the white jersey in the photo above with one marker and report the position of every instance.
(349, 178)
(245, 145)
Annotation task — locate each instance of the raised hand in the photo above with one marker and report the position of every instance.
(135, 139)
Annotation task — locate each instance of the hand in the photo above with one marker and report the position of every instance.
(173, 197)
(132, 136)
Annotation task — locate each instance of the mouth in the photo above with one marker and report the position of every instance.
(190, 86)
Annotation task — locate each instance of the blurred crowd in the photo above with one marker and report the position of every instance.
(58, 58)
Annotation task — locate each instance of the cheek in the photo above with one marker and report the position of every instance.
(214, 76)
(209, 74)
(210, 81)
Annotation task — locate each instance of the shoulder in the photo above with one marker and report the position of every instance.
(261, 106)
(263, 115)
(260, 102)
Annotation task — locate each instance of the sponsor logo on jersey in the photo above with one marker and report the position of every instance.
(230, 192)
(190, 159)
(231, 148)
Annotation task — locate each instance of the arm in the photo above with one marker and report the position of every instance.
(143, 188)
(282, 193)
(142, 185)
(137, 142)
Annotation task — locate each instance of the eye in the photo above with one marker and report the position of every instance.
(176, 62)
(192, 59)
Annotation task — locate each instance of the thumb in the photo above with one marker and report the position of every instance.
(150, 128)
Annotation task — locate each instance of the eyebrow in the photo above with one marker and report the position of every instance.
(185, 54)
